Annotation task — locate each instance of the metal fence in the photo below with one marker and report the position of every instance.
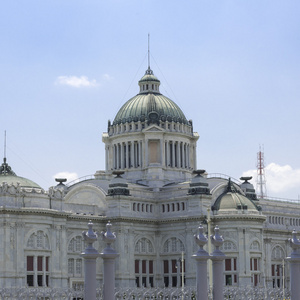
(188, 293)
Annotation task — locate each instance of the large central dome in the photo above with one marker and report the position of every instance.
(150, 105)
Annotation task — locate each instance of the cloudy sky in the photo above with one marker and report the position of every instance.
(67, 66)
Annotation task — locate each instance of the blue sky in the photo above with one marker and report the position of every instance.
(66, 67)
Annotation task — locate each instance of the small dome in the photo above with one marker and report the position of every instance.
(233, 199)
(150, 105)
(9, 176)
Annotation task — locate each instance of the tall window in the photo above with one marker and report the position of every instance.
(37, 257)
(255, 271)
(37, 270)
(75, 263)
(172, 272)
(277, 266)
(144, 273)
(231, 274)
(144, 263)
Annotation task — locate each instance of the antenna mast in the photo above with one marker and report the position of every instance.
(4, 144)
(261, 180)
(148, 50)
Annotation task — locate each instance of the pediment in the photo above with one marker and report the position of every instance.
(154, 128)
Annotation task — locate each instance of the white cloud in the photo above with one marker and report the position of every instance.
(69, 175)
(279, 179)
(107, 77)
(75, 81)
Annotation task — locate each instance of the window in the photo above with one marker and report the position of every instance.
(37, 270)
(231, 274)
(173, 272)
(144, 272)
(255, 271)
(38, 240)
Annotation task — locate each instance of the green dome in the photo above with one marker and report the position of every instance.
(9, 176)
(143, 106)
(233, 199)
(150, 105)
(24, 182)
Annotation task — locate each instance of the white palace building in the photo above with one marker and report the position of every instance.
(155, 199)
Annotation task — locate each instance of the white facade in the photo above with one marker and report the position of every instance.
(155, 203)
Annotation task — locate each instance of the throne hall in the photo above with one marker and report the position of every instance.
(155, 197)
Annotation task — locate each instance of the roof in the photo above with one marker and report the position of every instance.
(150, 104)
(9, 176)
(233, 199)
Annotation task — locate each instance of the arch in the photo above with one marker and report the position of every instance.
(38, 240)
(86, 195)
(278, 253)
(143, 245)
(228, 246)
(76, 244)
(173, 245)
(255, 246)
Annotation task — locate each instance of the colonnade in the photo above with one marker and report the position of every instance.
(129, 154)
(177, 154)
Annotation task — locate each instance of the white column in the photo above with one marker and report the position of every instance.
(201, 258)
(132, 154)
(35, 266)
(44, 270)
(168, 154)
(140, 154)
(146, 153)
(294, 260)
(122, 156)
(140, 273)
(188, 156)
(127, 156)
(118, 157)
(183, 155)
(178, 154)
(217, 258)
(109, 255)
(90, 255)
(173, 153)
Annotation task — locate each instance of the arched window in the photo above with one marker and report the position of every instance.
(255, 246)
(143, 245)
(173, 245)
(38, 240)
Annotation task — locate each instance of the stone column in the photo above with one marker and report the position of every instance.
(173, 154)
(108, 255)
(122, 156)
(132, 154)
(217, 258)
(90, 256)
(294, 260)
(140, 154)
(127, 156)
(118, 156)
(201, 258)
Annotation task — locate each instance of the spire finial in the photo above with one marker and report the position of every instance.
(149, 51)
(4, 158)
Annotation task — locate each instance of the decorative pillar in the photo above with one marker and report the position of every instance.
(294, 260)
(90, 256)
(217, 258)
(108, 255)
(140, 154)
(127, 155)
(132, 154)
(122, 156)
(173, 154)
(201, 258)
